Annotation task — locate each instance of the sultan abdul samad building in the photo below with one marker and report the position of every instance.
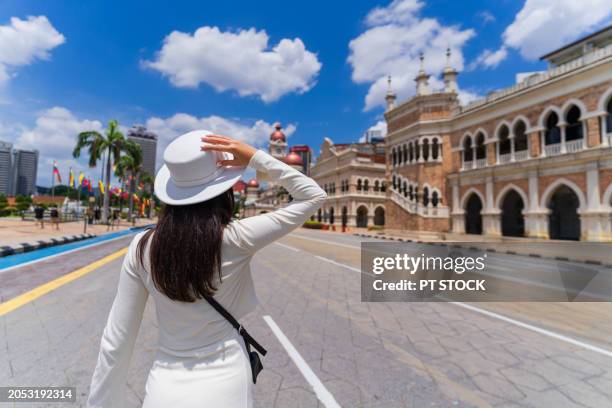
(533, 160)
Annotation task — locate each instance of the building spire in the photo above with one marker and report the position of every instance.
(390, 97)
(422, 78)
(449, 75)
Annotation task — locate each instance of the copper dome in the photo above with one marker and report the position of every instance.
(278, 134)
(293, 159)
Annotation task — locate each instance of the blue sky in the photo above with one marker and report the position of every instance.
(75, 65)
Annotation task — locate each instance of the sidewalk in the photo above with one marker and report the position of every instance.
(14, 231)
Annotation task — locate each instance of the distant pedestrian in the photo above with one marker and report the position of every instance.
(55, 217)
(97, 215)
(39, 215)
(114, 220)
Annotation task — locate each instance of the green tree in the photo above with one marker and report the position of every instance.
(3, 202)
(148, 181)
(130, 165)
(111, 143)
(22, 203)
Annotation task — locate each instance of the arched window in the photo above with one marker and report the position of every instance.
(411, 151)
(366, 185)
(405, 189)
(425, 196)
(435, 200)
(481, 149)
(325, 188)
(573, 131)
(411, 193)
(376, 186)
(504, 140)
(394, 180)
(425, 149)
(404, 154)
(468, 154)
(435, 147)
(358, 184)
(394, 157)
(383, 186)
(552, 134)
(520, 136)
(417, 150)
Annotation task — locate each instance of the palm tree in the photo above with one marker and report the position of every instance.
(112, 143)
(148, 180)
(130, 165)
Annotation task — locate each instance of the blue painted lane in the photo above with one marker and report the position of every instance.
(18, 259)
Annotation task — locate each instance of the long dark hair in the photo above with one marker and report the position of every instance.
(185, 251)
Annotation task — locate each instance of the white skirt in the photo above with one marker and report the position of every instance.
(216, 376)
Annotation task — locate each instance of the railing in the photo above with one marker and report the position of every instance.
(521, 155)
(467, 165)
(480, 163)
(370, 192)
(574, 145)
(505, 158)
(417, 208)
(553, 149)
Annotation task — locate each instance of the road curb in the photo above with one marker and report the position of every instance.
(7, 250)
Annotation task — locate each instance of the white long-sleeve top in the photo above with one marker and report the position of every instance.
(184, 327)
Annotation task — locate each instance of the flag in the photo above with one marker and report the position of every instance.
(89, 186)
(81, 179)
(101, 186)
(71, 178)
(140, 185)
(56, 173)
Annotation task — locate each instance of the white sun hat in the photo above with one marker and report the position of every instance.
(190, 175)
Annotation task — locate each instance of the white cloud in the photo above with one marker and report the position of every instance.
(544, 25)
(489, 59)
(487, 17)
(256, 133)
(23, 41)
(54, 135)
(241, 61)
(381, 126)
(391, 45)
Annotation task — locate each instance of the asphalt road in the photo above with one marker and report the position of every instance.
(326, 347)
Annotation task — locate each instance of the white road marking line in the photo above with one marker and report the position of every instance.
(62, 253)
(350, 268)
(497, 316)
(536, 329)
(325, 241)
(326, 398)
(288, 247)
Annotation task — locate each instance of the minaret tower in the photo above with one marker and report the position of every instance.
(278, 142)
(421, 79)
(449, 75)
(390, 97)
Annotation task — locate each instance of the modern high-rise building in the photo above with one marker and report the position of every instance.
(6, 167)
(24, 172)
(148, 142)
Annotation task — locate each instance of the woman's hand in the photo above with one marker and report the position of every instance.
(241, 151)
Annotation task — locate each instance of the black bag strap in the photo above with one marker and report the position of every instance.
(227, 315)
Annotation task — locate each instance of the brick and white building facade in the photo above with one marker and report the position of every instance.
(353, 175)
(532, 160)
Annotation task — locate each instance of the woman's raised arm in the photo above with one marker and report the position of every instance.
(256, 232)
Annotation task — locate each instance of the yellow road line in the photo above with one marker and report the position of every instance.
(41, 290)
